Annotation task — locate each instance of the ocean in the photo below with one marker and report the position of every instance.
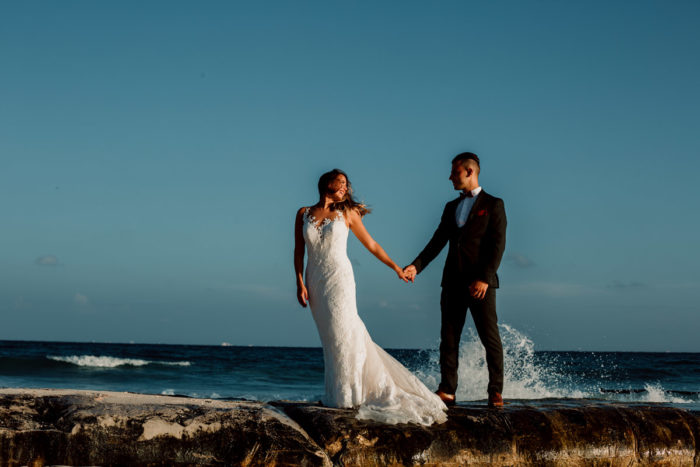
(296, 373)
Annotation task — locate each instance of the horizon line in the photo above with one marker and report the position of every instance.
(227, 344)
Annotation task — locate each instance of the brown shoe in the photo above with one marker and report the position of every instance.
(448, 399)
(495, 399)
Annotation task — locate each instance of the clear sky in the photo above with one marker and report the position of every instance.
(153, 155)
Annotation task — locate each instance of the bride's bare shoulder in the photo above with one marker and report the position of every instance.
(300, 213)
(353, 216)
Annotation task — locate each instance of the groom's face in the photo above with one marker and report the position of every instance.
(460, 176)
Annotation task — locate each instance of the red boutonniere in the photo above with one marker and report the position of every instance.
(482, 212)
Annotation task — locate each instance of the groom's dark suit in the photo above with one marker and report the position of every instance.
(475, 252)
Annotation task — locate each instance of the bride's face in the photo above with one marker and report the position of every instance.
(338, 188)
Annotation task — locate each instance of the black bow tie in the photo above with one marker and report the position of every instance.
(463, 195)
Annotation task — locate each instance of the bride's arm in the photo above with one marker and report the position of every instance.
(302, 294)
(358, 228)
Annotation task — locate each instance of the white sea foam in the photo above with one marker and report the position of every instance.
(182, 363)
(656, 393)
(103, 361)
(524, 376)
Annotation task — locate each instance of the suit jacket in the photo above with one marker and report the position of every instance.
(475, 249)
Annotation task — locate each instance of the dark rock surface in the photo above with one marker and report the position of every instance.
(45, 427)
(591, 435)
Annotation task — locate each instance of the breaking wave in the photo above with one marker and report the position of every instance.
(103, 361)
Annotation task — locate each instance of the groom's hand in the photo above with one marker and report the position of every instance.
(410, 272)
(478, 289)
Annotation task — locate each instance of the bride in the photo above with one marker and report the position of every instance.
(358, 373)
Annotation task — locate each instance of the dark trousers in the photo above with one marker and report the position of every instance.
(454, 303)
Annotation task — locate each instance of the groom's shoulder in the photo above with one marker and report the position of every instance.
(491, 198)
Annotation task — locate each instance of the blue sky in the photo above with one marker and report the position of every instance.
(154, 154)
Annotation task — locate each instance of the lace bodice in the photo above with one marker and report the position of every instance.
(326, 240)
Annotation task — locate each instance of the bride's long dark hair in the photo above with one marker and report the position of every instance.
(349, 202)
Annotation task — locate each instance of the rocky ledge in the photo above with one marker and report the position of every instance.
(46, 427)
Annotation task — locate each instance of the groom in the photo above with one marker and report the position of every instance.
(474, 225)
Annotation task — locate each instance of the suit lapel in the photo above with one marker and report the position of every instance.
(475, 207)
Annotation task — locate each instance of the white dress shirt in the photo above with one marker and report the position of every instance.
(465, 206)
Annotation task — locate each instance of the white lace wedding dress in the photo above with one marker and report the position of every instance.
(358, 373)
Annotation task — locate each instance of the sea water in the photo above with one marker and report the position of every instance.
(270, 373)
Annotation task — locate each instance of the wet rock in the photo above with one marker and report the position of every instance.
(90, 428)
(44, 427)
(586, 435)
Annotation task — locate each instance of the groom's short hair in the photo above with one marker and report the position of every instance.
(465, 157)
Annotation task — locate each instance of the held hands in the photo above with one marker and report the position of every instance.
(302, 295)
(478, 289)
(410, 273)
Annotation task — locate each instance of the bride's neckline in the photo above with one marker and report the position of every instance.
(311, 219)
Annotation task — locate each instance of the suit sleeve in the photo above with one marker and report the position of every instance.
(435, 245)
(495, 242)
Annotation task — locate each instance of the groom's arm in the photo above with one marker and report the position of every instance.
(494, 242)
(435, 245)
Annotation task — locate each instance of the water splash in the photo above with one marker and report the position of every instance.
(530, 377)
(656, 393)
(523, 377)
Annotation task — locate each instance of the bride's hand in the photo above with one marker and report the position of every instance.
(302, 295)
